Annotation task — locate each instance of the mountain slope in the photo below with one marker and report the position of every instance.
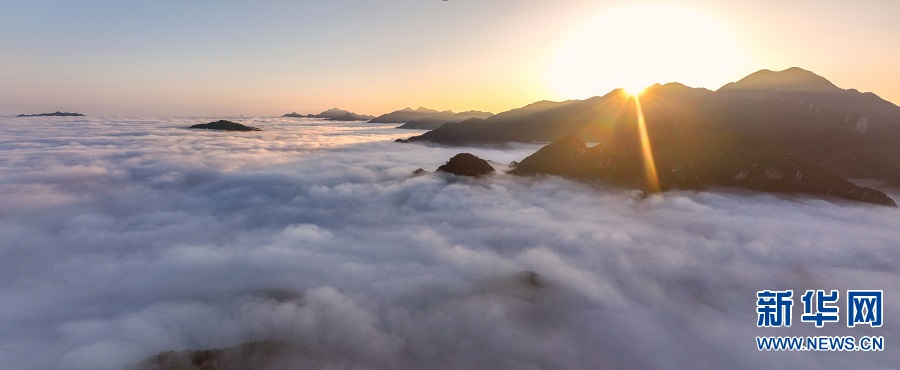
(691, 162)
(435, 121)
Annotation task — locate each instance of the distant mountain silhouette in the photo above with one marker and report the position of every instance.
(225, 126)
(348, 117)
(437, 120)
(541, 121)
(297, 115)
(54, 114)
(333, 114)
(851, 133)
(407, 114)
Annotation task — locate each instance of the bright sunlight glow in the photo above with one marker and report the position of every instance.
(639, 45)
(634, 90)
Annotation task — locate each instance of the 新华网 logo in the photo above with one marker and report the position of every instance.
(864, 307)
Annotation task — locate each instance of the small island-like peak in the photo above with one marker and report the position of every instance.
(54, 114)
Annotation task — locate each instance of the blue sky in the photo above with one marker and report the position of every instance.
(230, 57)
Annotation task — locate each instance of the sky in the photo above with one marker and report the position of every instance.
(223, 57)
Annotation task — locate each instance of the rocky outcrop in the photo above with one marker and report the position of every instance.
(225, 126)
(466, 164)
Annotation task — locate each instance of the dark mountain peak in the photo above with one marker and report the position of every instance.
(791, 79)
(333, 112)
(466, 164)
(225, 126)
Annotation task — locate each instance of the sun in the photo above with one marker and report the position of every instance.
(638, 45)
(634, 90)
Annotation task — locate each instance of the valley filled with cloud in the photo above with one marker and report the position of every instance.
(121, 238)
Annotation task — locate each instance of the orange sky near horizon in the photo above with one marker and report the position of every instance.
(210, 58)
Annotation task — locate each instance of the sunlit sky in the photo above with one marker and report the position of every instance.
(222, 57)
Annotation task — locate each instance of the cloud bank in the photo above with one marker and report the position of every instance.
(124, 237)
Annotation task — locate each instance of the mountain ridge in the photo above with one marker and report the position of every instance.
(791, 79)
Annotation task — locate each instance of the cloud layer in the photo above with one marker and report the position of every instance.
(124, 237)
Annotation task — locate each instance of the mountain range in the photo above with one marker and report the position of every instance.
(333, 114)
(851, 133)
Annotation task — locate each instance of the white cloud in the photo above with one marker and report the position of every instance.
(123, 238)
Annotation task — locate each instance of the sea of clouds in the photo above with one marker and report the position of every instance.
(123, 237)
